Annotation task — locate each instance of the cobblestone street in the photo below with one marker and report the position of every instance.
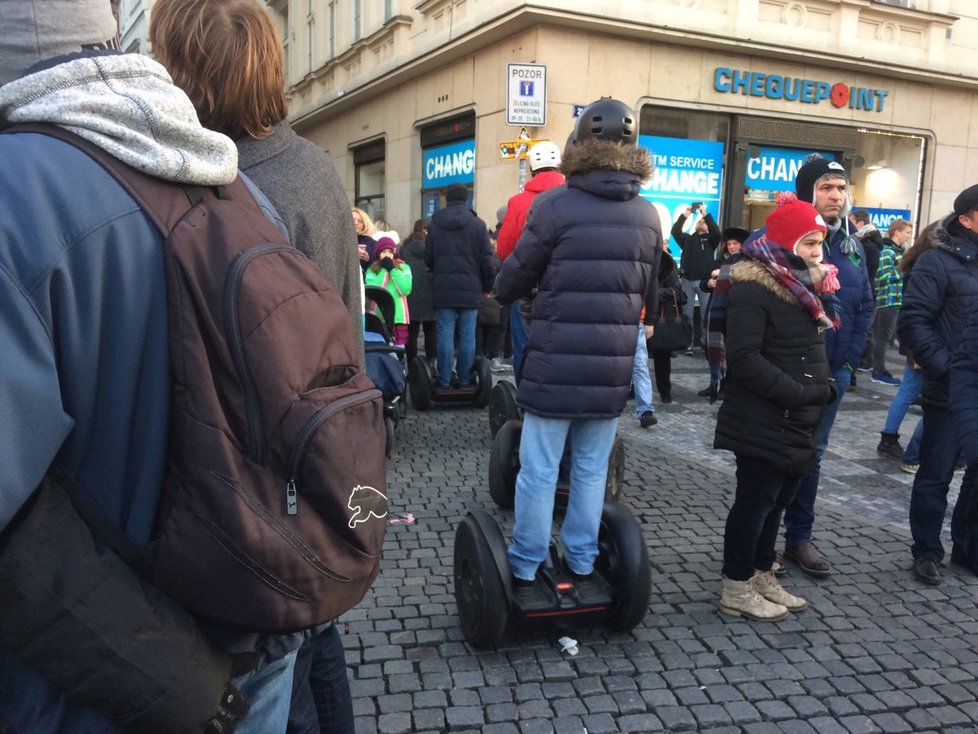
(875, 652)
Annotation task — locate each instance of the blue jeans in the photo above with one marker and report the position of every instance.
(641, 380)
(910, 385)
(541, 446)
(518, 336)
(321, 701)
(799, 517)
(268, 690)
(466, 319)
(939, 454)
(752, 525)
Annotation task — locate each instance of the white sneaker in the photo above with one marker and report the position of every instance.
(496, 365)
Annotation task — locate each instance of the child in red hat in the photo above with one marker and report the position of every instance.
(772, 304)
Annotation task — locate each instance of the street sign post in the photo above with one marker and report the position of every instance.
(526, 94)
(520, 150)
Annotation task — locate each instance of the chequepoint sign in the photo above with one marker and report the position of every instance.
(796, 89)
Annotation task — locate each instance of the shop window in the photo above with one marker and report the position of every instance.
(371, 172)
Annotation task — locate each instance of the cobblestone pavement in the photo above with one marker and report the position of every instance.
(875, 652)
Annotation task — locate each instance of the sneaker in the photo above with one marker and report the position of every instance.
(648, 419)
(909, 468)
(926, 571)
(864, 369)
(688, 352)
(885, 379)
(496, 365)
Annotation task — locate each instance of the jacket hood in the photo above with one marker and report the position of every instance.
(746, 270)
(605, 155)
(127, 105)
(543, 181)
(955, 239)
(454, 215)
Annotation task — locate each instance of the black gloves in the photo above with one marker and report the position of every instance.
(387, 263)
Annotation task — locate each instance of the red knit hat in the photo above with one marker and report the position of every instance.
(792, 220)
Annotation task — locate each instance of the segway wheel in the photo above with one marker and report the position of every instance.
(504, 464)
(623, 559)
(480, 594)
(502, 405)
(420, 383)
(616, 471)
(483, 377)
(389, 434)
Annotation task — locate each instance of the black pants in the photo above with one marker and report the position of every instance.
(752, 524)
(430, 340)
(662, 364)
(489, 340)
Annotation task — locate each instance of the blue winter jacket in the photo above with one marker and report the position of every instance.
(592, 248)
(460, 255)
(845, 345)
(940, 299)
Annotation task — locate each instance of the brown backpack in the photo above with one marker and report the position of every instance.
(273, 511)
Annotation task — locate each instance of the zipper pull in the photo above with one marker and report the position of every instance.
(291, 498)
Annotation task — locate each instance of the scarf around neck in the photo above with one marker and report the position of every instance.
(812, 284)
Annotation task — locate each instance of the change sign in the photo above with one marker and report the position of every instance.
(684, 171)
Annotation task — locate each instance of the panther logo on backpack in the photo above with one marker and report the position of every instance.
(366, 502)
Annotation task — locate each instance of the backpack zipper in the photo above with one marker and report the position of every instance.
(305, 435)
(256, 439)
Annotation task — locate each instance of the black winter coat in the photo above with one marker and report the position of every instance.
(419, 299)
(777, 373)
(592, 248)
(459, 254)
(699, 250)
(964, 390)
(939, 299)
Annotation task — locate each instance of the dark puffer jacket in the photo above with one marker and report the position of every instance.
(938, 301)
(459, 253)
(777, 373)
(592, 247)
(964, 389)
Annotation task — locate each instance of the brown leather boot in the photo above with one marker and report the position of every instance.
(808, 559)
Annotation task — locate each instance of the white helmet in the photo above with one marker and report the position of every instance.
(544, 155)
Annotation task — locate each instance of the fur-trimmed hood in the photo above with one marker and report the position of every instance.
(955, 239)
(605, 155)
(746, 270)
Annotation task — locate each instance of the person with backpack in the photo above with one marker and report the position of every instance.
(581, 348)
(85, 381)
(229, 59)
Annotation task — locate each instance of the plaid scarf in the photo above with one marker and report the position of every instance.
(813, 284)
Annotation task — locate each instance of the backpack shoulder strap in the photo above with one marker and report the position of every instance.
(165, 203)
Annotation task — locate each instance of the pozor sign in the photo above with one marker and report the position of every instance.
(796, 89)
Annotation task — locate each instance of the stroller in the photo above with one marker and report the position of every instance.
(386, 363)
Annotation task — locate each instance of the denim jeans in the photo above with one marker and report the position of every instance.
(799, 517)
(321, 701)
(939, 454)
(541, 446)
(268, 690)
(910, 385)
(518, 336)
(641, 380)
(466, 319)
(691, 288)
(752, 524)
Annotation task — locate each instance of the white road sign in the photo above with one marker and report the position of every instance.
(526, 98)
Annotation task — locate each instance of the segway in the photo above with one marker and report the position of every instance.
(502, 405)
(424, 391)
(504, 465)
(617, 594)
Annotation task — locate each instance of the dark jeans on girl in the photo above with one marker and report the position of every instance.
(752, 525)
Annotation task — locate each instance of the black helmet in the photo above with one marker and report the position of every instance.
(607, 119)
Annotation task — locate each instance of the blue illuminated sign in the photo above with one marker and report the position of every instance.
(448, 164)
(883, 218)
(775, 169)
(684, 171)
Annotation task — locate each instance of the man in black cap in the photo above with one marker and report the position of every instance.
(938, 300)
(825, 184)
